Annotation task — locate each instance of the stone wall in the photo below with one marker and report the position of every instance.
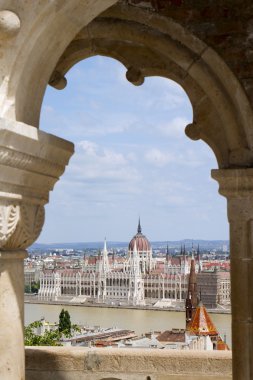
(76, 363)
(224, 25)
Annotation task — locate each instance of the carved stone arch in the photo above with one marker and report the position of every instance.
(159, 46)
(47, 28)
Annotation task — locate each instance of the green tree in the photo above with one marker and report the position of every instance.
(74, 329)
(33, 287)
(27, 289)
(50, 338)
(65, 323)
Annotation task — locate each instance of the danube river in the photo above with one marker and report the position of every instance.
(139, 320)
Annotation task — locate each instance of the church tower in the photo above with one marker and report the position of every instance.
(136, 291)
(105, 261)
(191, 301)
(103, 270)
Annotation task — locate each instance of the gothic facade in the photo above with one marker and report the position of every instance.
(135, 281)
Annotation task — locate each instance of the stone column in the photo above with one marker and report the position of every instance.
(12, 314)
(237, 186)
(31, 162)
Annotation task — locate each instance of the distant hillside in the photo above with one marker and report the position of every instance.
(203, 244)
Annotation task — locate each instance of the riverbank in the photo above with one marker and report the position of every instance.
(131, 318)
(35, 300)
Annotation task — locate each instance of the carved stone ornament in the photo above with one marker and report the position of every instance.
(9, 24)
(31, 162)
(20, 225)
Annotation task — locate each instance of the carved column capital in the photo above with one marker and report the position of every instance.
(237, 186)
(20, 224)
(31, 162)
(234, 182)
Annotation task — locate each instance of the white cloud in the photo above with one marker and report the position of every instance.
(88, 147)
(187, 158)
(171, 192)
(158, 158)
(174, 128)
(108, 125)
(93, 162)
(131, 157)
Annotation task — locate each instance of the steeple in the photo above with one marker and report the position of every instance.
(167, 254)
(192, 296)
(105, 261)
(198, 258)
(139, 227)
(105, 247)
(168, 262)
(113, 258)
(135, 260)
(201, 323)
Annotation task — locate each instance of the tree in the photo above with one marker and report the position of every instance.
(50, 338)
(33, 287)
(75, 328)
(65, 323)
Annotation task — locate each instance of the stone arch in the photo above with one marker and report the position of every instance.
(38, 52)
(173, 53)
(131, 37)
(147, 45)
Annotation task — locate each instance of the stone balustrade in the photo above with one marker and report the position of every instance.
(76, 363)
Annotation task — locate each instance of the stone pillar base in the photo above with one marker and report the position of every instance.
(237, 186)
(12, 315)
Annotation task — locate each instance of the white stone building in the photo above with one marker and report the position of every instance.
(136, 280)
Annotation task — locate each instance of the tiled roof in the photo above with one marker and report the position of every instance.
(171, 336)
(201, 323)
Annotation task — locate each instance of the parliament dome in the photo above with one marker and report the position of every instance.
(142, 243)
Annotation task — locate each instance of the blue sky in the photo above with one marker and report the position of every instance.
(131, 158)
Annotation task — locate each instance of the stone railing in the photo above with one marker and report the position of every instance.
(76, 363)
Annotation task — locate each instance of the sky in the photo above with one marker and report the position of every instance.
(132, 159)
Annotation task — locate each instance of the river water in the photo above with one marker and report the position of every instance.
(140, 321)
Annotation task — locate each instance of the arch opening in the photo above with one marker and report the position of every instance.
(158, 46)
(96, 144)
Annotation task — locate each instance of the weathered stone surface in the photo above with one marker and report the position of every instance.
(237, 186)
(31, 162)
(12, 315)
(206, 47)
(95, 364)
(9, 24)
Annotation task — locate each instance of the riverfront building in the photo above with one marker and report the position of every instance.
(138, 279)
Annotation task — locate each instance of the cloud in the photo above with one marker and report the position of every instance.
(95, 163)
(171, 192)
(158, 158)
(174, 128)
(88, 147)
(132, 157)
(184, 158)
(164, 94)
(106, 123)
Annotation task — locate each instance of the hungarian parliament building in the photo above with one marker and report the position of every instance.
(137, 279)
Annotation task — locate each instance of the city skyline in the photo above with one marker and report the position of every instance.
(132, 159)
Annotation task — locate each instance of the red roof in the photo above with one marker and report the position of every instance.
(201, 324)
(142, 243)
